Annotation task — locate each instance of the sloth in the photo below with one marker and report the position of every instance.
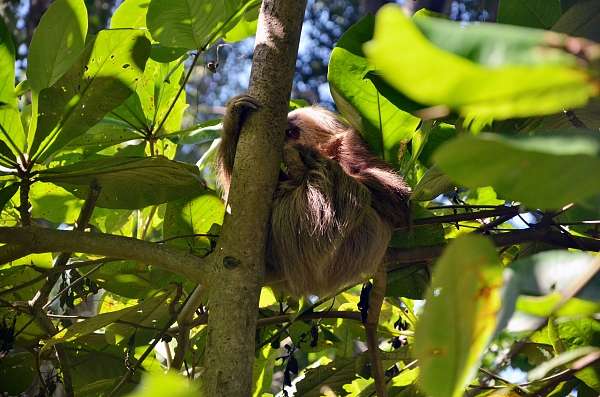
(335, 205)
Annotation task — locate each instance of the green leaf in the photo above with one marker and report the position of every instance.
(556, 271)
(483, 71)
(15, 275)
(154, 94)
(581, 20)
(459, 317)
(196, 216)
(54, 204)
(57, 42)
(384, 126)
(129, 182)
(108, 132)
(433, 183)
(103, 78)
(246, 27)
(436, 136)
(565, 358)
(6, 193)
(544, 171)
(410, 282)
(334, 375)
(193, 24)
(18, 371)
(532, 13)
(160, 384)
(418, 235)
(130, 14)
(544, 278)
(262, 372)
(125, 278)
(204, 132)
(11, 129)
(584, 212)
(87, 326)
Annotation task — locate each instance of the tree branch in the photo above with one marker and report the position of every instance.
(400, 257)
(38, 240)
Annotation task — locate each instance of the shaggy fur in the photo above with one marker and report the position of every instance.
(335, 206)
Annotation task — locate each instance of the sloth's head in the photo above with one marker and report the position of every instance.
(315, 127)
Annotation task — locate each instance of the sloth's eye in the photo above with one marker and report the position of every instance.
(292, 132)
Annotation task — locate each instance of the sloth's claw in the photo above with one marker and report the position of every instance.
(244, 102)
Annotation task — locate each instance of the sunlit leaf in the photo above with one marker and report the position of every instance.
(483, 72)
(104, 76)
(189, 219)
(6, 193)
(106, 133)
(87, 326)
(130, 14)
(159, 385)
(11, 129)
(57, 42)
(333, 376)
(193, 25)
(459, 317)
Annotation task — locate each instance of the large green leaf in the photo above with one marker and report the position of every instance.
(246, 27)
(193, 24)
(129, 182)
(126, 278)
(187, 218)
(572, 333)
(170, 384)
(532, 13)
(509, 72)
(154, 94)
(546, 171)
(460, 316)
(581, 20)
(11, 129)
(87, 326)
(57, 42)
(6, 193)
(20, 369)
(104, 77)
(107, 132)
(130, 14)
(383, 125)
(334, 376)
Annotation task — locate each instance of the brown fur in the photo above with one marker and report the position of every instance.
(334, 210)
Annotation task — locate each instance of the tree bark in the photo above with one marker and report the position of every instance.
(238, 264)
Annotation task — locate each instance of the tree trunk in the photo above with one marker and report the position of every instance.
(238, 264)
